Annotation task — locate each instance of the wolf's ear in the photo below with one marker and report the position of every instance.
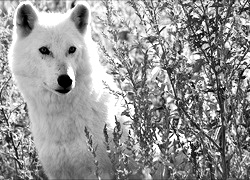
(25, 18)
(80, 15)
(70, 4)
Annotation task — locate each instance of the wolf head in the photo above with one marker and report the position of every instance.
(52, 52)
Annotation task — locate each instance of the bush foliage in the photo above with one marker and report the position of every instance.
(182, 70)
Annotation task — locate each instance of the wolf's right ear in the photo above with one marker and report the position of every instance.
(70, 4)
(80, 15)
(25, 18)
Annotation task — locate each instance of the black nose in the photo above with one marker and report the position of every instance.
(64, 81)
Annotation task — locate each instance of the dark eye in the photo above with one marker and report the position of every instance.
(72, 49)
(44, 50)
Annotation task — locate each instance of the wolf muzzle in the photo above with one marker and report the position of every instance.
(65, 83)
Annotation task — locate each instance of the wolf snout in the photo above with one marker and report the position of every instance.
(65, 83)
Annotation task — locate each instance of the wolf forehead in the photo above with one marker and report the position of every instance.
(27, 17)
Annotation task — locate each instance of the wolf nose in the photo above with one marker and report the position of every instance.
(64, 81)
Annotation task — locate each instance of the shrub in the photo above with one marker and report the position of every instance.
(182, 68)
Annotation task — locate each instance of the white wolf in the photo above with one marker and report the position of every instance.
(56, 68)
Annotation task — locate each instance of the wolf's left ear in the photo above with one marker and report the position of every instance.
(80, 15)
(25, 18)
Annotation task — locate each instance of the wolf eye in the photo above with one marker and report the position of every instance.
(44, 50)
(72, 49)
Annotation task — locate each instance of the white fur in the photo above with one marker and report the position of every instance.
(58, 120)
